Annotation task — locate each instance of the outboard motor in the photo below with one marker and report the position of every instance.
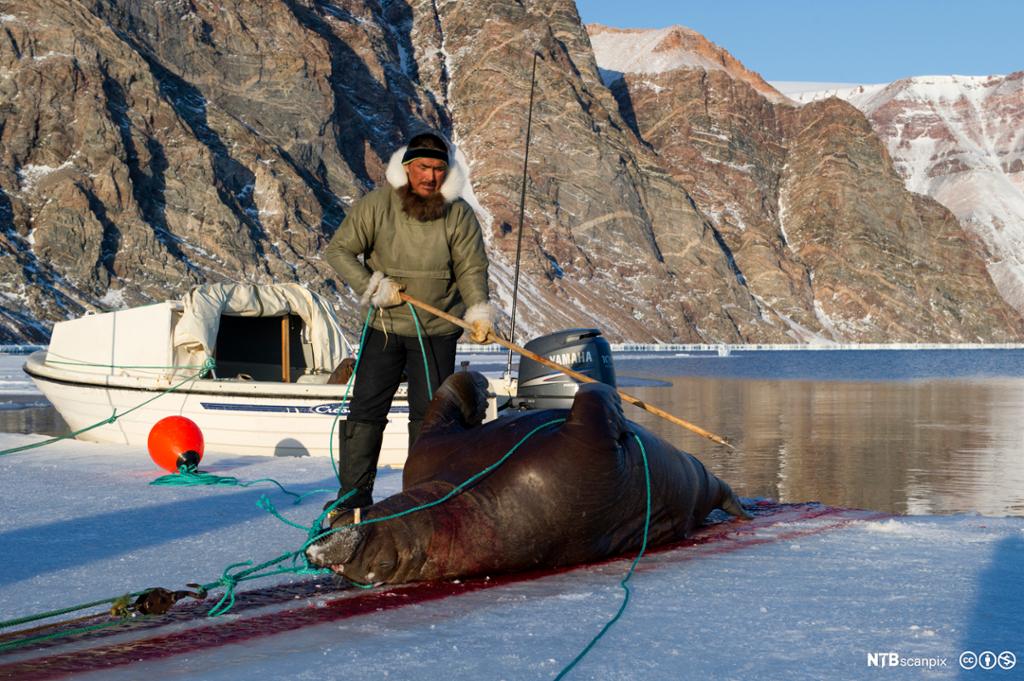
(582, 350)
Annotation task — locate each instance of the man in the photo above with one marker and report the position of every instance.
(416, 235)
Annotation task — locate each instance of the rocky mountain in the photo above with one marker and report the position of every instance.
(806, 199)
(145, 147)
(960, 140)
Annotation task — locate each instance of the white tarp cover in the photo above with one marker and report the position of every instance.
(196, 331)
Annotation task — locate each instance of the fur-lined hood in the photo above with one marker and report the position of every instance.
(454, 182)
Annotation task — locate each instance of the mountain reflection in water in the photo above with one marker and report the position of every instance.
(918, 432)
(924, 445)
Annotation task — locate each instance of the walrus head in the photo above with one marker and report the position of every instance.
(361, 553)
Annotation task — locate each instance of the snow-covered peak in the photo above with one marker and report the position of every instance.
(935, 89)
(958, 139)
(803, 92)
(658, 50)
(651, 50)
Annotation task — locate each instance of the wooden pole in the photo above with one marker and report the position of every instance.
(286, 352)
(568, 372)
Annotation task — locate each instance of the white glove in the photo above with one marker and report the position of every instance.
(480, 317)
(386, 294)
(482, 329)
(382, 291)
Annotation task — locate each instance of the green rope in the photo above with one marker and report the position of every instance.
(300, 563)
(190, 476)
(208, 365)
(423, 350)
(629, 573)
(77, 363)
(451, 493)
(267, 505)
(355, 371)
(39, 638)
(63, 611)
(348, 387)
(229, 581)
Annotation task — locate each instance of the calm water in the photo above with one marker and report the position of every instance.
(919, 432)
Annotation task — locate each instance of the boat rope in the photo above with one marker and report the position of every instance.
(64, 633)
(423, 350)
(348, 387)
(206, 368)
(190, 476)
(121, 609)
(232, 576)
(624, 582)
(355, 371)
(56, 613)
(300, 563)
(154, 601)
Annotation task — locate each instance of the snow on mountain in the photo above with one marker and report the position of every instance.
(960, 140)
(641, 50)
(804, 91)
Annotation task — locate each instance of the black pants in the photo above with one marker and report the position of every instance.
(383, 359)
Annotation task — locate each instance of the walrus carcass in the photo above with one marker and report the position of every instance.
(574, 491)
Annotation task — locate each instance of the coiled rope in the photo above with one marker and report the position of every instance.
(300, 564)
(190, 476)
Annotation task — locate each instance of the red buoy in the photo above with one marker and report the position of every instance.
(175, 441)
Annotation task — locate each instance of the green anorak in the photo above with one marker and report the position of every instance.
(441, 262)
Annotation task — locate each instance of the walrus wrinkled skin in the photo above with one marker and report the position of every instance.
(573, 492)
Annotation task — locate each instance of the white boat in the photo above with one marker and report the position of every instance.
(273, 349)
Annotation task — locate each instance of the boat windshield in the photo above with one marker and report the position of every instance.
(261, 348)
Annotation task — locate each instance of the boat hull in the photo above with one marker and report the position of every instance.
(236, 417)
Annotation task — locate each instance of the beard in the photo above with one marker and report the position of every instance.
(424, 209)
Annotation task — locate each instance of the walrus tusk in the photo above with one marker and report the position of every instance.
(567, 371)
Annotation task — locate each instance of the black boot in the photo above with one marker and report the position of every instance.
(414, 432)
(358, 451)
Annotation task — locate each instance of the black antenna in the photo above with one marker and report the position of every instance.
(522, 205)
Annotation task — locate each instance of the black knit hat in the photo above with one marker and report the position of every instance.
(426, 145)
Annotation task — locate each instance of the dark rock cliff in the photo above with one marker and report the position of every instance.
(146, 147)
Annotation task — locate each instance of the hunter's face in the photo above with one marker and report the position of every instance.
(426, 175)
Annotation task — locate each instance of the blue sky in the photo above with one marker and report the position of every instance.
(859, 41)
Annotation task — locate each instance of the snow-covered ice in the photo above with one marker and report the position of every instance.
(79, 522)
(805, 600)
(14, 381)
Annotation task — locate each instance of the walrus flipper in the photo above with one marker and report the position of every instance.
(730, 503)
(458, 406)
(598, 408)
(460, 403)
